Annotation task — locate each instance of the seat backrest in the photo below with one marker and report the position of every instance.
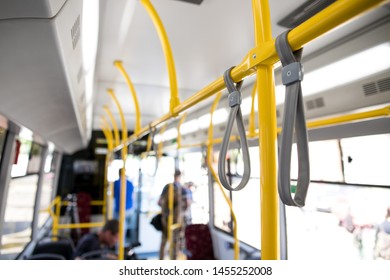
(46, 256)
(84, 210)
(198, 242)
(63, 247)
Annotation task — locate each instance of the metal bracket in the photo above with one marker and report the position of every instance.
(292, 73)
(234, 99)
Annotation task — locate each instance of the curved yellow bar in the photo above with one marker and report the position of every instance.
(175, 101)
(216, 179)
(119, 65)
(252, 130)
(114, 126)
(267, 138)
(122, 204)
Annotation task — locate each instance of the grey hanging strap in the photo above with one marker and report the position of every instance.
(294, 117)
(235, 114)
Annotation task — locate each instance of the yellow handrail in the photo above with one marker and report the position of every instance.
(119, 65)
(216, 179)
(167, 53)
(57, 203)
(334, 15)
(80, 225)
(260, 60)
(113, 122)
(170, 220)
(383, 112)
(267, 138)
(122, 204)
(107, 135)
(110, 187)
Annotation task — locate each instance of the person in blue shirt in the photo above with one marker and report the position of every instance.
(129, 216)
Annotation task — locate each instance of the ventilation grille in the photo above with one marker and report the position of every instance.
(315, 103)
(304, 12)
(198, 2)
(381, 85)
(80, 74)
(75, 32)
(384, 85)
(370, 89)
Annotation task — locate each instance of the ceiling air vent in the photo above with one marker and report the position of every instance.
(315, 103)
(370, 89)
(75, 32)
(80, 74)
(304, 12)
(384, 84)
(198, 2)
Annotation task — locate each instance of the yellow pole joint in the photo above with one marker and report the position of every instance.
(119, 65)
(162, 34)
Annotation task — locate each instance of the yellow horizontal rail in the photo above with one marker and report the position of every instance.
(80, 225)
(93, 202)
(382, 112)
(175, 226)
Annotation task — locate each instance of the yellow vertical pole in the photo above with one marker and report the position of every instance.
(170, 220)
(119, 65)
(114, 126)
(252, 127)
(110, 184)
(122, 204)
(107, 208)
(267, 137)
(56, 221)
(175, 101)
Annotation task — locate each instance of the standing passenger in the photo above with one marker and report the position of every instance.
(129, 233)
(179, 207)
(382, 246)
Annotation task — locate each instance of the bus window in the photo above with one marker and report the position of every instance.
(20, 166)
(191, 164)
(35, 157)
(338, 222)
(18, 214)
(366, 159)
(325, 161)
(47, 194)
(246, 202)
(3, 134)
(222, 217)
